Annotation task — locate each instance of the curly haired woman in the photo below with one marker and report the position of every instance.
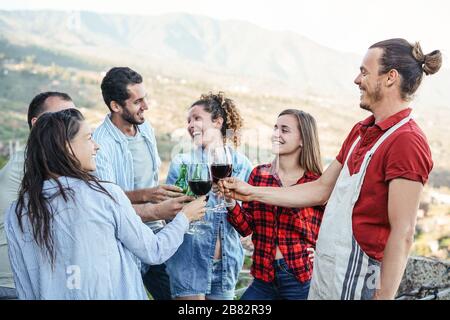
(207, 264)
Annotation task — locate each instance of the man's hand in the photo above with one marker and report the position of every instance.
(231, 203)
(164, 192)
(236, 189)
(168, 209)
(154, 195)
(215, 188)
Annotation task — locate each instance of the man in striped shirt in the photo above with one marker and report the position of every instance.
(128, 156)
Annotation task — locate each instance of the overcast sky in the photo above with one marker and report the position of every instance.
(345, 25)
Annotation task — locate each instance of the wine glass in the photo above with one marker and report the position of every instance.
(200, 183)
(221, 167)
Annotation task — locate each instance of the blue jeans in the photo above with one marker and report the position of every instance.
(8, 293)
(285, 286)
(156, 281)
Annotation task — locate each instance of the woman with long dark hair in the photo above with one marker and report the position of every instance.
(72, 236)
(283, 238)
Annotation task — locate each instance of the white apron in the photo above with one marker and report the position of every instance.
(342, 270)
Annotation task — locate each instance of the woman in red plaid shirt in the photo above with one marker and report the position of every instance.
(283, 237)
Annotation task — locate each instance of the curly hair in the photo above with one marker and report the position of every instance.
(220, 106)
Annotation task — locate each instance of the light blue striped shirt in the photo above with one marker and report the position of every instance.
(97, 243)
(114, 159)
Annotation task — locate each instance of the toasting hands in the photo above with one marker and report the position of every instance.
(163, 192)
(168, 209)
(236, 189)
(196, 209)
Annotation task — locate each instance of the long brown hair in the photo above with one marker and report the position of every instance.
(48, 155)
(310, 158)
(220, 106)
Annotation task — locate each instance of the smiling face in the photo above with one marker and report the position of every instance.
(369, 81)
(202, 129)
(286, 138)
(84, 148)
(135, 105)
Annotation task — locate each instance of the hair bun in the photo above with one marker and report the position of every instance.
(418, 53)
(432, 62)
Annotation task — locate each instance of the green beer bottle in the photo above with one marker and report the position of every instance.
(182, 178)
(182, 181)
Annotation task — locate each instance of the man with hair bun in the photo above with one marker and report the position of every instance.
(373, 188)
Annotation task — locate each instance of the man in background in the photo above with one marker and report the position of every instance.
(11, 177)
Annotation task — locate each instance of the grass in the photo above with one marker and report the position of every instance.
(3, 161)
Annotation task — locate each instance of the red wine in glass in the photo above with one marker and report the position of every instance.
(200, 187)
(221, 167)
(200, 183)
(220, 171)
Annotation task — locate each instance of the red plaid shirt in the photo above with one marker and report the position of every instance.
(293, 230)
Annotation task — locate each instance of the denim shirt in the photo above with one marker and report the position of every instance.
(190, 267)
(114, 160)
(97, 241)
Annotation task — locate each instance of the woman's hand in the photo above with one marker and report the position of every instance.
(236, 189)
(196, 209)
(168, 209)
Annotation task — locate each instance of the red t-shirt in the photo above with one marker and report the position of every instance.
(404, 154)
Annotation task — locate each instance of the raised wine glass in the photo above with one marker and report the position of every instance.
(200, 183)
(221, 159)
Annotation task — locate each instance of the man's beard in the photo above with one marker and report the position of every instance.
(375, 97)
(128, 117)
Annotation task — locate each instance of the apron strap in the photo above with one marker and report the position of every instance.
(369, 154)
(351, 149)
(388, 133)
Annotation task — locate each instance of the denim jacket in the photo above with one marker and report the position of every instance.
(190, 267)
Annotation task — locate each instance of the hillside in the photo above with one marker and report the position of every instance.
(70, 51)
(236, 53)
(182, 56)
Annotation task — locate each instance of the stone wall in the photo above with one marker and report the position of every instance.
(425, 278)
